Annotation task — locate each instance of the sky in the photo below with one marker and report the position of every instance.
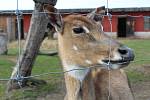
(70, 4)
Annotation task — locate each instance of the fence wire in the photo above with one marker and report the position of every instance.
(18, 13)
(63, 72)
(58, 71)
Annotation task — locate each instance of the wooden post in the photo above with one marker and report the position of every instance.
(3, 44)
(10, 28)
(35, 37)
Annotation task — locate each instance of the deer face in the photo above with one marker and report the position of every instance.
(82, 43)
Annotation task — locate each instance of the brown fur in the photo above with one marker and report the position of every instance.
(119, 89)
(82, 44)
(69, 39)
(95, 86)
(79, 91)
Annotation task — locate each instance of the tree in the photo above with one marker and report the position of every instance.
(36, 33)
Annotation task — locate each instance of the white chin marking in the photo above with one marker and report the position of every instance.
(112, 66)
(100, 61)
(116, 57)
(76, 72)
(115, 66)
(88, 62)
(75, 48)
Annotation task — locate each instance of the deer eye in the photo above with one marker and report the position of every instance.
(78, 30)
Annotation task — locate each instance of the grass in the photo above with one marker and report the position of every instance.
(136, 77)
(141, 49)
(45, 64)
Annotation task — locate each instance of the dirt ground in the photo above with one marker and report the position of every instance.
(57, 95)
(141, 92)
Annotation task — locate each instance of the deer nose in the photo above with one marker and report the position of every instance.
(126, 53)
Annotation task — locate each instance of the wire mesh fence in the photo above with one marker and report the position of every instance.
(48, 69)
(47, 79)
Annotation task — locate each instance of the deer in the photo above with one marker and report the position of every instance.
(84, 50)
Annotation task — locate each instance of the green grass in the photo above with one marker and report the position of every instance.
(141, 49)
(45, 64)
(135, 76)
(142, 57)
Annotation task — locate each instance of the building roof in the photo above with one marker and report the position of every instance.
(112, 10)
(141, 9)
(131, 9)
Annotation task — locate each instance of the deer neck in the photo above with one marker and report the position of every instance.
(79, 89)
(75, 71)
(79, 83)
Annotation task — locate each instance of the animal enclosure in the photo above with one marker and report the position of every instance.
(47, 78)
(138, 72)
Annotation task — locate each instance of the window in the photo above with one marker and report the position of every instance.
(147, 23)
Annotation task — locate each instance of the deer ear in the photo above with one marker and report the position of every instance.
(54, 17)
(97, 14)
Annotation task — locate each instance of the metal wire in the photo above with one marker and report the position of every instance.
(19, 39)
(62, 72)
(19, 43)
(20, 78)
(110, 52)
(43, 74)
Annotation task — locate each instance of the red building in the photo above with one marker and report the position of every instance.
(125, 21)
(129, 22)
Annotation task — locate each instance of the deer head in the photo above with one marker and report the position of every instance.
(83, 43)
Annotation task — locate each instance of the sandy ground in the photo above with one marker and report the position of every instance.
(141, 92)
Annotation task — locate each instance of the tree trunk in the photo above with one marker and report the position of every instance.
(35, 37)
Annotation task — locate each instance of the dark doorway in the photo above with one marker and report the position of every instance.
(122, 27)
(130, 26)
(21, 29)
